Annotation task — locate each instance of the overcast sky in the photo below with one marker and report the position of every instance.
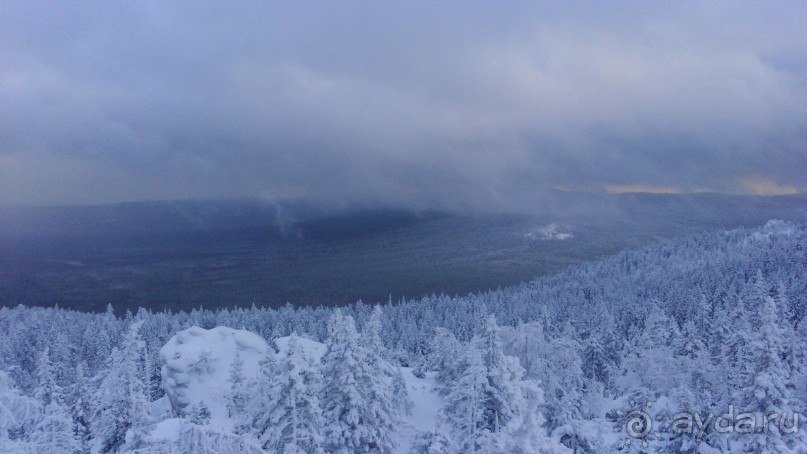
(433, 103)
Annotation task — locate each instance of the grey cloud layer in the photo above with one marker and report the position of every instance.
(426, 103)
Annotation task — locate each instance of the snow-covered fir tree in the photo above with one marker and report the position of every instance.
(19, 414)
(295, 422)
(433, 442)
(54, 430)
(239, 396)
(401, 401)
(199, 414)
(357, 410)
(121, 416)
(79, 406)
(466, 400)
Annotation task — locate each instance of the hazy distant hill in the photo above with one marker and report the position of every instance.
(223, 253)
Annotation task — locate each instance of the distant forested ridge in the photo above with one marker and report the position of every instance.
(185, 254)
(702, 326)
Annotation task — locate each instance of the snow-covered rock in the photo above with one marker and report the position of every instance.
(312, 350)
(196, 363)
(196, 366)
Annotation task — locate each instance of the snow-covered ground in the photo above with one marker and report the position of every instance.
(427, 404)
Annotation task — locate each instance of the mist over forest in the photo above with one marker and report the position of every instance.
(182, 255)
(454, 227)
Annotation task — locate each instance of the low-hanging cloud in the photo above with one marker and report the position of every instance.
(429, 104)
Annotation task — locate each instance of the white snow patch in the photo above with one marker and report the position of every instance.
(161, 409)
(312, 350)
(168, 430)
(551, 232)
(427, 404)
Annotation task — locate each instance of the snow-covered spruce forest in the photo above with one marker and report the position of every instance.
(702, 325)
